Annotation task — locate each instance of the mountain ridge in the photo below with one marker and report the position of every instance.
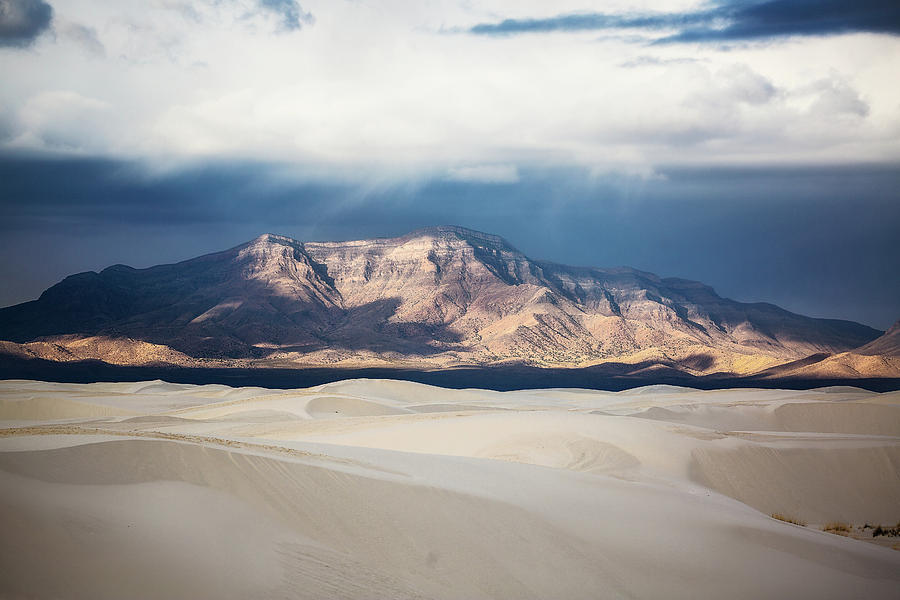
(437, 296)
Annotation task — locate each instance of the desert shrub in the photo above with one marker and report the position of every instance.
(887, 531)
(786, 519)
(837, 527)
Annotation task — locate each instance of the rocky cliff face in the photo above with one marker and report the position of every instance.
(437, 296)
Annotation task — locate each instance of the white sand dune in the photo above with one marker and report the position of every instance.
(385, 489)
(825, 417)
(328, 406)
(47, 408)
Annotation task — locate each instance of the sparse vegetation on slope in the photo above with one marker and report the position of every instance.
(787, 519)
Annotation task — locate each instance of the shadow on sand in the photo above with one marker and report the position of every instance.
(502, 378)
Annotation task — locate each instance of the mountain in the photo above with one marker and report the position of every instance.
(888, 344)
(878, 358)
(436, 297)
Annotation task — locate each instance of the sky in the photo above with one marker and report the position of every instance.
(752, 145)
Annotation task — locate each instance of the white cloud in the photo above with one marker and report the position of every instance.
(63, 121)
(85, 37)
(377, 84)
(835, 97)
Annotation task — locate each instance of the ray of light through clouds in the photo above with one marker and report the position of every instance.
(584, 113)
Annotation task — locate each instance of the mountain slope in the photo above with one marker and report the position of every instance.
(435, 297)
(265, 291)
(878, 358)
(888, 344)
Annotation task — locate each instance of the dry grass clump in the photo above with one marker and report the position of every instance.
(837, 528)
(782, 517)
(887, 530)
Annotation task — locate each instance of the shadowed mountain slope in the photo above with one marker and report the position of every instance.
(878, 358)
(888, 344)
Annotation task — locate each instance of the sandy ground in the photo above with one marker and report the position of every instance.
(385, 489)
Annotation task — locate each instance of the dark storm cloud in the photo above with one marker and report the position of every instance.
(742, 20)
(292, 15)
(778, 18)
(588, 22)
(22, 21)
(100, 193)
(819, 241)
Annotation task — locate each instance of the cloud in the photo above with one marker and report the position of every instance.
(6, 123)
(375, 88)
(485, 174)
(292, 15)
(655, 61)
(85, 37)
(64, 121)
(22, 21)
(738, 20)
(587, 22)
(835, 97)
(779, 18)
(745, 85)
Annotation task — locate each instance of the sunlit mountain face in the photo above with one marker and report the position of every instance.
(436, 297)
